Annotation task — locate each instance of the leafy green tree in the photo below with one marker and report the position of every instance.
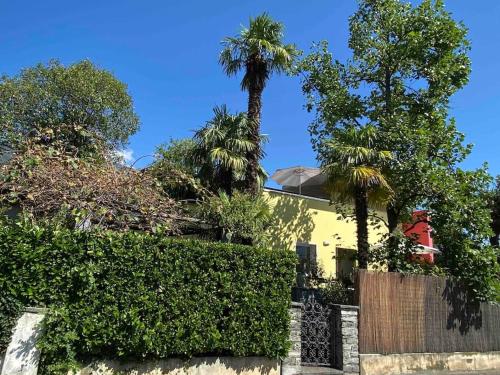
(415, 58)
(259, 51)
(460, 218)
(179, 153)
(407, 61)
(74, 104)
(175, 170)
(354, 169)
(221, 149)
(240, 218)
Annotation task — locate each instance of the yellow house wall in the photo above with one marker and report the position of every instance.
(300, 219)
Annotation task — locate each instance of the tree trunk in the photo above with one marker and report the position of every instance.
(392, 214)
(256, 69)
(361, 210)
(494, 241)
(392, 218)
(392, 222)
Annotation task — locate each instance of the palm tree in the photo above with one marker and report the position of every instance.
(354, 169)
(220, 150)
(260, 51)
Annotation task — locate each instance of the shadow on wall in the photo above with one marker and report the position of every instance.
(292, 222)
(200, 365)
(464, 312)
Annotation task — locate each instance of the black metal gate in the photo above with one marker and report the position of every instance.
(316, 333)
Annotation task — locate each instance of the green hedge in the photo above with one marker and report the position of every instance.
(131, 295)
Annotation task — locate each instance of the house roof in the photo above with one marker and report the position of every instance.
(294, 194)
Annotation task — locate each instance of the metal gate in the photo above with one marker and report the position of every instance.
(316, 333)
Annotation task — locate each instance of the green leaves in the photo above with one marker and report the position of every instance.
(75, 105)
(131, 295)
(261, 43)
(407, 61)
(351, 160)
(239, 218)
(221, 148)
(461, 219)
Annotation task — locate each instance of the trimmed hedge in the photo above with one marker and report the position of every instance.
(134, 295)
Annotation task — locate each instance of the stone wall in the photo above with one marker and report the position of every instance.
(291, 364)
(194, 366)
(345, 339)
(22, 356)
(425, 363)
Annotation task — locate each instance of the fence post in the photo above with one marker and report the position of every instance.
(345, 339)
(291, 364)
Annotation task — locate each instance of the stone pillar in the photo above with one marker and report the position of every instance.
(291, 364)
(345, 339)
(22, 356)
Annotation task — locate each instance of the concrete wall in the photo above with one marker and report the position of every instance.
(194, 366)
(423, 363)
(22, 356)
(291, 364)
(314, 221)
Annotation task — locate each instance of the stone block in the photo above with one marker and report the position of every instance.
(22, 355)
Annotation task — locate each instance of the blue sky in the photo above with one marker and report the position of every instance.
(167, 51)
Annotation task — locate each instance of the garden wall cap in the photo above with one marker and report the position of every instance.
(346, 307)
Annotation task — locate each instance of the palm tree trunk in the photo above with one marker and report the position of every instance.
(257, 71)
(361, 211)
(254, 108)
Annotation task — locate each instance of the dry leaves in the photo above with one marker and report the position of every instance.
(46, 183)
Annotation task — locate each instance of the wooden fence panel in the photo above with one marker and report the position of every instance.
(416, 314)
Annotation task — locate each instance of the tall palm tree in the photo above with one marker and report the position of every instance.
(220, 150)
(260, 51)
(354, 169)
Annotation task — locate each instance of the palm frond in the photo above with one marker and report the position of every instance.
(263, 38)
(353, 161)
(227, 159)
(222, 145)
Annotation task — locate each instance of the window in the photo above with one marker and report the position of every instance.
(346, 262)
(307, 263)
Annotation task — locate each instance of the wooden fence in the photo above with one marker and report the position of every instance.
(417, 314)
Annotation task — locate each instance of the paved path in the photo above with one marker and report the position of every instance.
(492, 372)
(311, 370)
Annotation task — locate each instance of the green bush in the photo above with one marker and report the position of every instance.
(9, 312)
(336, 292)
(132, 295)
(239, 218)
